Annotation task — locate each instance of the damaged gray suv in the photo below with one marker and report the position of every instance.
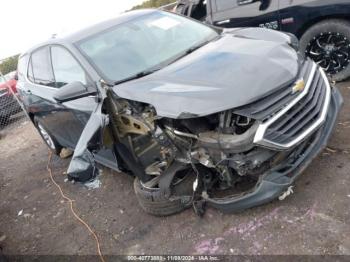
(200, 116)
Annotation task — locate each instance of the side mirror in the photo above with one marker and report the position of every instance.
(16, 77)
(72, 91)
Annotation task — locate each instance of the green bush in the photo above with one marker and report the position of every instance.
(9, 64)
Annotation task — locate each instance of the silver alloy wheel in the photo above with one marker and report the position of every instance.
(46, 137)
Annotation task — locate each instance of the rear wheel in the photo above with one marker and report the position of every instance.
(48, 139)
(328, 44)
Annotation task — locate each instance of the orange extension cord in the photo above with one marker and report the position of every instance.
(48, 167)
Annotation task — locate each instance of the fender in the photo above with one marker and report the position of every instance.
(297, 19)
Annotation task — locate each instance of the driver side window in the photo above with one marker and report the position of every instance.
(65, 67)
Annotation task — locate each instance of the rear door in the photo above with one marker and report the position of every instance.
(40, 89)
(246, 13)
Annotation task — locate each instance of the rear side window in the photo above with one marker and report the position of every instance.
(40, 69)
(66, 68)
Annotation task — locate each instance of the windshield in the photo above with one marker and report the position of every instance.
(143, 44)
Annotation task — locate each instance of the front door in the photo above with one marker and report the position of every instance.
(50, 68)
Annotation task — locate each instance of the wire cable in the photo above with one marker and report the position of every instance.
(70, 201)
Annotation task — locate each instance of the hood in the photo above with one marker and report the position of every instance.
(230, 72)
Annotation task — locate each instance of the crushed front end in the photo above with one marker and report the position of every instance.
(235, 159)
(294, 125)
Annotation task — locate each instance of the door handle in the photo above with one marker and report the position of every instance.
(245, 2)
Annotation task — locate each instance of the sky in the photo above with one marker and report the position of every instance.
(24, 23)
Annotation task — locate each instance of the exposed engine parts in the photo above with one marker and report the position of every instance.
(131, 125)
(217, 151)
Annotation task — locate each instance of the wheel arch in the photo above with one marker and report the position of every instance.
(311, 22)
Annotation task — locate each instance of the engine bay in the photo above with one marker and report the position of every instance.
(215, 154)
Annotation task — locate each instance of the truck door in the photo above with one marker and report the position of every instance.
(244, 13)
(294, 13)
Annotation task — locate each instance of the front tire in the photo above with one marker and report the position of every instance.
(328, 44)
(155, 203)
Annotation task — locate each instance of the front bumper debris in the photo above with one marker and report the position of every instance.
(273, 183)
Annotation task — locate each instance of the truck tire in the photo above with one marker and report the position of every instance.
(328, 44)
(155, 203)
(49, 140)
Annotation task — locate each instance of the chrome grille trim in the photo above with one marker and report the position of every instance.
(260, 139)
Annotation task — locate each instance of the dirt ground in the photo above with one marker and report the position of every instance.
(35, 220)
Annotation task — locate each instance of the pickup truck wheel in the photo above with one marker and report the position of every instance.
(328, 44)
(48, 139)
(155, 203)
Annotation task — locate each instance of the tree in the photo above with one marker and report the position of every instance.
(153, 4)
(9, 64)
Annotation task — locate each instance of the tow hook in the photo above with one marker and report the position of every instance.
(287, 193)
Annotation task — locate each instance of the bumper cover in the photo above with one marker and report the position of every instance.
(274, 183)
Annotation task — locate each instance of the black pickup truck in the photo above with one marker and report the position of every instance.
(323, 26)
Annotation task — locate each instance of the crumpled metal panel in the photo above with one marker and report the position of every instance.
(82, 166)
